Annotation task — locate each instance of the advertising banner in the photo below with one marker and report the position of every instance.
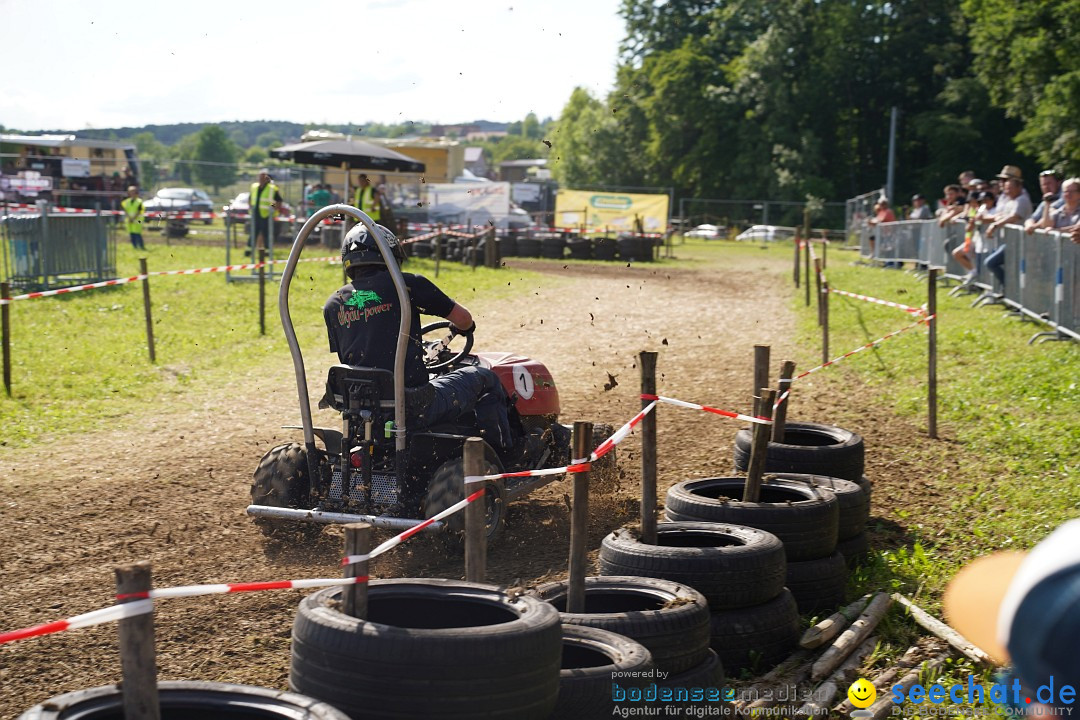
(600, 210)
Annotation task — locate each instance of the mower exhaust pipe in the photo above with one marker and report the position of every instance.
(331, 518)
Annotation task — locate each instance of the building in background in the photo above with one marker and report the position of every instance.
(66, 170)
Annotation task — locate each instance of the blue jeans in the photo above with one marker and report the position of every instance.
(470, 389)
(995, 263)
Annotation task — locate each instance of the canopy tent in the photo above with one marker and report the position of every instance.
(355, 154)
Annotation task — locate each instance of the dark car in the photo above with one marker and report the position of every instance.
(181, 199)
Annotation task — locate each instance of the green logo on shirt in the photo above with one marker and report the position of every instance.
(362, 298)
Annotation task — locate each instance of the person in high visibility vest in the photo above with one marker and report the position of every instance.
(263, 202)
(134, 210)
(368, 198)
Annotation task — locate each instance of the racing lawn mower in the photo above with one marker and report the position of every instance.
(354, 475)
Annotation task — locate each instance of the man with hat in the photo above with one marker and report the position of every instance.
(1013, 207)
(919, 209)
(1024, 608)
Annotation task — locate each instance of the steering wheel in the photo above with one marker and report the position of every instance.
(437, 353)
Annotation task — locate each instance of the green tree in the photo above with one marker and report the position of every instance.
(215, 154)
(184, 154)
(256, 155)
(153, 158)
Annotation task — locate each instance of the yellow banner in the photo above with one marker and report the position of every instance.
(602, 210)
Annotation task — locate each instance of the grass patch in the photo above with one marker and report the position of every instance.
(81, 359)
(1008, 420)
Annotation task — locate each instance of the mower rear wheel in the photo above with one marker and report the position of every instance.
(447, 488)
(281, 480)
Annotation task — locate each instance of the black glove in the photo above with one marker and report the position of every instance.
(456, 331)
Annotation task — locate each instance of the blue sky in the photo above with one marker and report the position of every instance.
(72, 65)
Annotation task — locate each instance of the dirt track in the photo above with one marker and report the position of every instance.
(74, 509)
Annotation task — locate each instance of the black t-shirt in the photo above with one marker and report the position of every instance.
(362, 321)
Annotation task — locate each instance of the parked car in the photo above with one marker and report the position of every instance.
(181, 199)
(766, 232)
(705, 232)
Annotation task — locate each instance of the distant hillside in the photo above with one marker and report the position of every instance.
(246, 133)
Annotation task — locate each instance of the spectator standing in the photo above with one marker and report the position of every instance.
(368, 198)
(264, 201)
(1067, 216)
(967, 253)
(919, 209)
(134, 212)
(319, 198)
(1050, 185)
(1013, 207)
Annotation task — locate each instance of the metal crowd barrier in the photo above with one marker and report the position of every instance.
(1042, 270)
(42, 251)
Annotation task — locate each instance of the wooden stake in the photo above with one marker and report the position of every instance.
(931, 361)
(146, 308)
(817, 285)
(943, 631)
(850, 638)
(475, 514)
(137, 655)
(884, 707)
(883, 680)
(831, 626)
(5, 335)
(825, 322)
(579, 521)
(797, 248)
(354, 598)
(761, 374)
(806, 255)
(262, 291)
(647, 360)
(759, 448)
(826, 692)
(787, 371)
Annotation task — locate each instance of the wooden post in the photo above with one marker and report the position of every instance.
(825, 322)
(475, 513)
(579, 522)
(759, 448)
(761, 373)
(647, 360)
(473, 242)
(787, 371)
(146, 308)
(262, 291)
(136, 634)
(931, 361)
(354, 598)
(438, 250)
(824, 250)
(817, 284)
(797, 249)
(5, 335)
(806, 255)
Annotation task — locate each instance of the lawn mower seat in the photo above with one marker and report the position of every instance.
(352, 389)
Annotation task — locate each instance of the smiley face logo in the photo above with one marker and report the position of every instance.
(862, 693)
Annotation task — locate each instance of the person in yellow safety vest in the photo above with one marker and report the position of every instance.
(134, 210)
(263, 202)
(368, 198)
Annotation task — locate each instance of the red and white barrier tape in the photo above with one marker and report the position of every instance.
(716, 411)
(97, 617)
(77, 288)
(880, 340)
(888, 303)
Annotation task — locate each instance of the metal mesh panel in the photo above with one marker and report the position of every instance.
(49, 251)
(1038, 273)
(1069, 287)
(384, 489)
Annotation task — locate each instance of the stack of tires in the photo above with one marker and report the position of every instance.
(421, 248)
(466, 649)
(823, 450)
(528, 247)
(580, 248)
(805, 517)
(741, 571)
(552, 246)
(668, 620)
(604, 248)
(508, 245)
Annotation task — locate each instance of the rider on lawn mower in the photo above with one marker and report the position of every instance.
(362, 321)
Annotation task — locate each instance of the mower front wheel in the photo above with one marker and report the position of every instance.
(447, 488)
(281, 480)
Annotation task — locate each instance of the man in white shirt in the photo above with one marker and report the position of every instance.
(1013, 208)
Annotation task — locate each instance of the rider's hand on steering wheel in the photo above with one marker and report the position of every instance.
(457, 331)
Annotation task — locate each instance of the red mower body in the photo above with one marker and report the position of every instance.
(529, 379)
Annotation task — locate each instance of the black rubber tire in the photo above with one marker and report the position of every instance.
(731, 565)
(580, 248)
(818, 585)
(465, 649)
(854, 549)
(810, 448)
(758, 637)
(189, 700)
(507, 246)
(590, 660)
(281, 480)
(866, 485)
(669, 619)
(804, 518)
(604, 249)
(528, 247)
(707, 675)
(853, 501)
(553, 248)
(421, 249)
(446, 488)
